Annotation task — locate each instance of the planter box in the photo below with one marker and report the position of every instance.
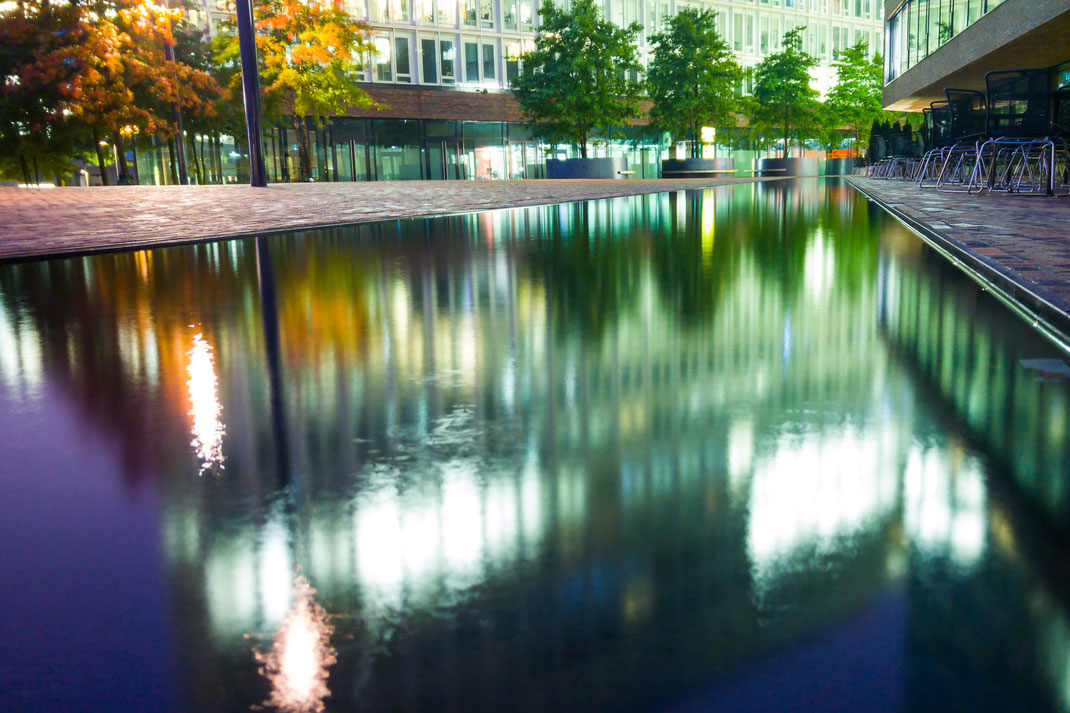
(792, 166)
(586, 168)
(695, 167)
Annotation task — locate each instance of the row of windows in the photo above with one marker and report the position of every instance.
(920, 27)
(445, 59)
(521, 15)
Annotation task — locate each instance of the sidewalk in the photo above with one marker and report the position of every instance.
(1018, 243)
(45, 222)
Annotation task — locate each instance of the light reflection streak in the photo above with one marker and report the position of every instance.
(300, 656)
(208, 429)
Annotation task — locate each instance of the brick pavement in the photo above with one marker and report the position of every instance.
(43, 222)
(1019, 242)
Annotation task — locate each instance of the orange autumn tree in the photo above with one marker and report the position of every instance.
(125, 86)
(311, 56)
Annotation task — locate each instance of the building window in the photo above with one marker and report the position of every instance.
(509, 18)
(512, 61)
(425, 12)
(428, 65)
(448, 51)
(486, 14)
(489, 61)
(471, 62)
(471, 13)
(383, 61)
(402, 60)
(447, 12)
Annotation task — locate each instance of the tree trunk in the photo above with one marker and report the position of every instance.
(171, 157)
(25, 168)
(100, 158)
(198, 170)
(36, 172)
(785, 132)
(302, 148)
(120, 157)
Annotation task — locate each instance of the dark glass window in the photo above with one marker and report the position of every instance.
(428, 66)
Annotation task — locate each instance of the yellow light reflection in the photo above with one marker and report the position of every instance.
(301, 652)
(208, 429)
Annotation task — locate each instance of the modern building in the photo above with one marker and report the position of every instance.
(933, 44)
(443, 67)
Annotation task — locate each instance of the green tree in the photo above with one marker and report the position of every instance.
(855, 99)
(693, 77)
(36, 137)
(310, 55)
(578, 77)
(782, 96)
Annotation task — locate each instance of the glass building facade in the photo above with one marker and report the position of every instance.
(920, 27)
(440, 47)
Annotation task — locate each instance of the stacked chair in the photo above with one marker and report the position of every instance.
(1023, 150)
(938, 129)
(967, 130)
(900, 157)
(1013, 137)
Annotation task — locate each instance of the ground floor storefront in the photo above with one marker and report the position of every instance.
(365, 149)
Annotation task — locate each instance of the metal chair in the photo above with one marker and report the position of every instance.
(938, 128)
(1021, 150)
(878, 151)
(967, 129)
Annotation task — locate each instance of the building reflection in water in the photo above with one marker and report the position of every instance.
(577, 457)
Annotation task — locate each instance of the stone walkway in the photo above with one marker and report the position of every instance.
(43, 222)
(1021, 243)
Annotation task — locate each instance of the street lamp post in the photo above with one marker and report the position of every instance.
(250, 81)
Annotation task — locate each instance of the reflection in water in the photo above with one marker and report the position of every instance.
(208, 429)
(598, 456)
(300, 656)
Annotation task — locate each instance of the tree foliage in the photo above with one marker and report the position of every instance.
(579, 76)
(35, 136)
(310, 55)
(855, 99)
(782, 96)
(693, 76)
(97, 69)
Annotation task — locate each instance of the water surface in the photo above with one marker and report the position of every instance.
(749, 448)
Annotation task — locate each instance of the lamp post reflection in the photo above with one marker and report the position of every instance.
(208, 429)
(300, 656)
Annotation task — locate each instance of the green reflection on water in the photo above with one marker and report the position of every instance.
(577, 456)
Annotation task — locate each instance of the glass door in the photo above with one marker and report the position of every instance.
(443, 159)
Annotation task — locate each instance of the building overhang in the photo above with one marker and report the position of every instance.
(1015, 35)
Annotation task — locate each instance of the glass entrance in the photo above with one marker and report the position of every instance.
(443, 159)
(523, 162)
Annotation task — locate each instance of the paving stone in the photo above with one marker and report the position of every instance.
(43, 222)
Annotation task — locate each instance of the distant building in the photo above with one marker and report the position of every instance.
(443, 68)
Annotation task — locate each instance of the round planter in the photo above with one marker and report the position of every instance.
(839, 166)
(688, 167)
(586, 168)
(786, 167)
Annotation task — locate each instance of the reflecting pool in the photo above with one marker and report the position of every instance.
(749, 448)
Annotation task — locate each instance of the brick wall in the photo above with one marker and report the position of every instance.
(401, 102)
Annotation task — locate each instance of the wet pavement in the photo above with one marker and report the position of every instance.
(42, 222)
